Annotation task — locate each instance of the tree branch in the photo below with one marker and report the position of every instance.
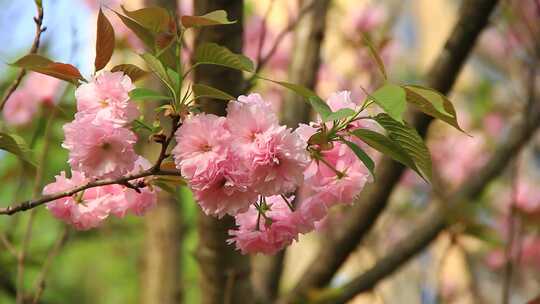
(33, 49)
(437, 218)
(363, 215)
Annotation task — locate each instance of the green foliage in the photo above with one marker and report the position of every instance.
(16, 145)
(160, 71)
(391, 98)
(386, 146)
(212, 53)
(202, 90)
(133, 71)
(376, 56)
(218, 17)
(339, 114)
(363, 156)
(410, 141)
(147, 94)
(155, 19)
(432, 103)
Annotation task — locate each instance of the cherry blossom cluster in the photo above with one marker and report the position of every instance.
(249, 166)
(101, 145)
(23, 105)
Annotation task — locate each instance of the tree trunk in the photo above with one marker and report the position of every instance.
(224, 272)
(305, 63)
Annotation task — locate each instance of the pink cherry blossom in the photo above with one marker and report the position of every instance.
(321, 177)
(278, 158)
(45, 89)
(20, 108)
(274, 232)
(84, 212)
(106, 97)
(99, 151)
(249, 116)
(126, 200)
(223, 188)
(202, 142)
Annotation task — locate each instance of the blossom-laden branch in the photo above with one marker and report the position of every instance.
(38, 19)
(10, 210)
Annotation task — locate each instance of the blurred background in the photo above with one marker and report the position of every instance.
(493, 246)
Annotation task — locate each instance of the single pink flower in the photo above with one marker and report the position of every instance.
(44, 88)
(278, 158)
(223, 188)
(248, 117)
(106, 98)
(20, 108)
(84, 211)
(202, 142)
(274, 232)
(101, 151)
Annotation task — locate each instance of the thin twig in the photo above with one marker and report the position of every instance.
(7, 244)
(264, 31)
(33, 49)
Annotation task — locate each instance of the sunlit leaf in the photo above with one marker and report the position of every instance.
(363, 156)
(432, 103)
(202, 90)
(155, 19)
(386, 146)
(157, 67)
(340, 114)
(410, 141)
(391, 98)
(211, 53)
(133, 71)
(319, 105)
(146, 94)
(46, 66)
(104, 41)
(15, 144)
(213, 18)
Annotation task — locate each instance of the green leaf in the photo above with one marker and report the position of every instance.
(133, 71)
(386, 146)
(363, 156)
(410, 141)
(375, 54)
(213, 18)
(155, 19)
(319, 105)
(202, 90)
(147, 94)
(432, 103)
(340, 114)
(46, 66)
(146, 35)
(157, 67)
(104, 41)
(392, 99)
(211, 53)
(16, 145)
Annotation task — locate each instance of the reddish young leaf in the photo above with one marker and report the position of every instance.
(46, 66)
(104, 41)
(133, 71)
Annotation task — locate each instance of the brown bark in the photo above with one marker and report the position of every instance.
(305, 63)
(473, 18)
(224, 272)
